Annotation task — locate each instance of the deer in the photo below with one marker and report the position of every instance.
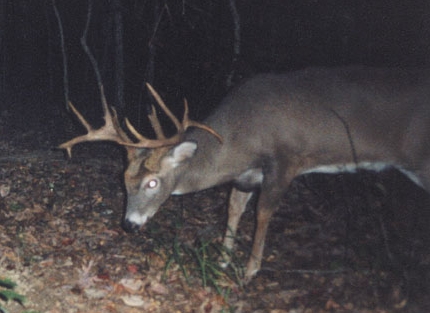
(269, 130)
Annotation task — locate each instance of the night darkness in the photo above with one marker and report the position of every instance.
(185, 48)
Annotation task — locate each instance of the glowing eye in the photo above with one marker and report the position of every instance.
(152, 183)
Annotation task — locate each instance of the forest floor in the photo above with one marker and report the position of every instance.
(338, 243)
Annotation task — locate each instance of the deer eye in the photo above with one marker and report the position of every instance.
(152, 184)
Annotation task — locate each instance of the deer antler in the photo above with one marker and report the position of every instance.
(112, 131)
(161, 140)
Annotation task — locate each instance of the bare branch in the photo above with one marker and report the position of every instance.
(63, 52)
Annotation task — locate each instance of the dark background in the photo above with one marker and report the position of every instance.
(186, 49)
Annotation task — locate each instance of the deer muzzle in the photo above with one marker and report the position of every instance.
(134, 222)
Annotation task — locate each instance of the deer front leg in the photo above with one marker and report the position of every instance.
(236, 207)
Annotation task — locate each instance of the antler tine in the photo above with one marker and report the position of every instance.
(112, 123)
(187, 122)
(166, 110)
(80, 117)
(110, 131)
(69, 144)
(135, 132)
(155, 123)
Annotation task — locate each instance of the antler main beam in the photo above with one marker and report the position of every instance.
(112, 131)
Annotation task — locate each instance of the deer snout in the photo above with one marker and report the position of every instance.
(133, 222)
(130, 227)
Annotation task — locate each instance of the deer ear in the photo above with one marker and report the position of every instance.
(181, 153)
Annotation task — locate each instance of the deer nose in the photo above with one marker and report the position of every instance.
(130, 227)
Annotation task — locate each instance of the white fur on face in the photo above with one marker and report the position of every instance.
(137, 219)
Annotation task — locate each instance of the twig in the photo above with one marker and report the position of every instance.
(87, 49)
(236, 42)
(63, 52)
(93, 59)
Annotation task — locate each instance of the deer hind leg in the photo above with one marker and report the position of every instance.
(236, 207)
(276, 181)
(267, 205)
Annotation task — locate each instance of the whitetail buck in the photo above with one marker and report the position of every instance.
(274, 128)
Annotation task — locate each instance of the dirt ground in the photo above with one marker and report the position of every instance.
(339, 243)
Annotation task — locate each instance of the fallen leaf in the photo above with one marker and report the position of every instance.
(93, 293)
(46, 263)
(4, 190)
(131, 285)
(158, 288)
(133, 300)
